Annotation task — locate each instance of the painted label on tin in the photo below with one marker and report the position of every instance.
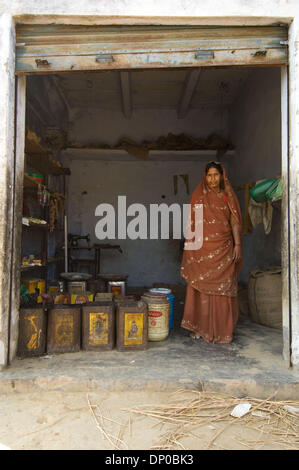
(64, 329)
(133, 329)
(98, 328)
(34, 340)
(116, 290)
(158, 321)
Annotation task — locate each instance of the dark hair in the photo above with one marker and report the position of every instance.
(214, 165)
(218, 168)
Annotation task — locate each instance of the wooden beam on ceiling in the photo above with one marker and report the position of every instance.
(37, 106)
(61, 93)
(125, 85)
(188, 91)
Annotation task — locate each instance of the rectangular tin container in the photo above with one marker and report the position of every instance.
(117, 287)
(76, 287)
(131, 326)
(98, 326)
(64, 329)
(32, 331)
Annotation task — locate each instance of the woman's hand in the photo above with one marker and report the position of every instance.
(237, 253)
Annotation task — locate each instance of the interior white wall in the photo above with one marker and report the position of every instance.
(93, 182)
(253, 126)
(92, 126)
(146, 261)
(255, 130)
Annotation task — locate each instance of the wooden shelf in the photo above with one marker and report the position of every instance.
(45, 164)
(44, 265)
(29, 182)
(73, 153)
(36, 266)
(36, 226)
(40, 158)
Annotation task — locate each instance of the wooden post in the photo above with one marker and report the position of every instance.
(294, 190)
(17, 215)
(285, 248)
(7, 109)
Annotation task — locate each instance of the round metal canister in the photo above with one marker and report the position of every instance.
(32, 331)
(158, 315)
(64, 328)
(171, 298)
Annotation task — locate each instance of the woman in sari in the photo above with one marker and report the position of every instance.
(211, 305)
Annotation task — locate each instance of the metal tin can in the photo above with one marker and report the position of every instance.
(131, 326)
(32, 331)
(98, 326)
(64, 329)
(117, 287)
(171, 298)
(76, 287)
(158, 316)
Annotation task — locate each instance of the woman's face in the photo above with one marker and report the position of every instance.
(213, 178)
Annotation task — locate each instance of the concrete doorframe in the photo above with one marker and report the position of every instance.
(10, 212)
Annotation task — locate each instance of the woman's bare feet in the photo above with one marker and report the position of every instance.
(194, 336)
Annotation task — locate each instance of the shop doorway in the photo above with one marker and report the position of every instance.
(143, 96)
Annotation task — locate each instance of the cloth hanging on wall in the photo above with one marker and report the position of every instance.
(261, 212)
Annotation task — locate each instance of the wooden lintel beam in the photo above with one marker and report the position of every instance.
(188, 90)
(125, 85)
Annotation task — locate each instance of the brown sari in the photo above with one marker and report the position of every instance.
(211, 305)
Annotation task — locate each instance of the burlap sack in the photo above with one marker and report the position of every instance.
(265, 297)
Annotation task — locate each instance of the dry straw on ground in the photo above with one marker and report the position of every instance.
(275, 422)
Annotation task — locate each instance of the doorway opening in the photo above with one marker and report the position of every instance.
(147, 135)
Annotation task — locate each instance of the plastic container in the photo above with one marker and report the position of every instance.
(33, 284)
(36, 177)
(61, 299)
(158, 315)
(170, 296)
(98, 326)
(83, 298)
(275, 191)
(258, 192)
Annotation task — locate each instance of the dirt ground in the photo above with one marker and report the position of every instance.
(105, 420)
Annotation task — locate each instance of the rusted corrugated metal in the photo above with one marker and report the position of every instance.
(55, 48)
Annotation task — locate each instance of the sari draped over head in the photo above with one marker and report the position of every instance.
(211, 269)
